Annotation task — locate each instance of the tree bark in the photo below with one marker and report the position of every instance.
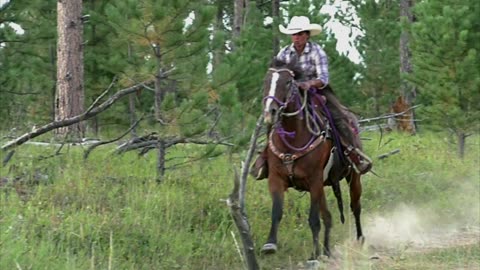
(408, 92)
(275, 17)
(236, 202)
(160, 160)
(461, 136)
(159, 94)
(70, 96)
(238, 19)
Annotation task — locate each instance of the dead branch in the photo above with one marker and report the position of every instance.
(95, 102)
(8, 157)
(248, 158)
(393, 152)
(57, 153)
(236, 202)
(70, 121)
(95, 145)
(150, 141)
(242, 224)
(387, 116)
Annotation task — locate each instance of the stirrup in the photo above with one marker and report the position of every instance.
(365, 160)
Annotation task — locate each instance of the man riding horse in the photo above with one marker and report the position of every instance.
(313, 62)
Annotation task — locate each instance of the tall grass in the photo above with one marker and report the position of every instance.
(108, 212)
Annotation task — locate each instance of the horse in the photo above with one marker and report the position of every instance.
(304, 153)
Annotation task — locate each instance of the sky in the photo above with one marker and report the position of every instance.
(342, 32)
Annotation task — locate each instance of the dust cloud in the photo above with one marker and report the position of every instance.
(428, 226)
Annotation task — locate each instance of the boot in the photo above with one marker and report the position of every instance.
(259, 169)
(361, 163)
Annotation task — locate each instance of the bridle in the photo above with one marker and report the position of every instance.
(292, 88)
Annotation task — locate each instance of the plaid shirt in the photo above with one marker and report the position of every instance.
(313, 61)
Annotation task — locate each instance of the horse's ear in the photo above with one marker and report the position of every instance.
(274, 61)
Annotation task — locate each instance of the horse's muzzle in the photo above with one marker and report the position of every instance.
(270, 116)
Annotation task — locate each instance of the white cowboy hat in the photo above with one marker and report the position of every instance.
(299, 24)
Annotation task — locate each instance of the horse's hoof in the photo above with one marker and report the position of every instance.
(312, 264)
(361, 240)
(269, 248)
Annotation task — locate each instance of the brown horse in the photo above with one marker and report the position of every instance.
(304, 154)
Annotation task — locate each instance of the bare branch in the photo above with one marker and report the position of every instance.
(248, 158)
(95, 102)
(8, 157)
(95, 145)
(236, 202)
(387, 116)
(393, 152)
(70, 121)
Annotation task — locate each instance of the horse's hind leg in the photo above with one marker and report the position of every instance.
(338, 194)
(318, 204)
(277, 193)
(355, 205)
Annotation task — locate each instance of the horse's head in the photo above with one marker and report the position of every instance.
(278, 88)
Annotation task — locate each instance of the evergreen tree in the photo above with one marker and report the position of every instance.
(378, 47)
(27, 61)
(446, 53)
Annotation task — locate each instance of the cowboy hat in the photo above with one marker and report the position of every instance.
(299, 24)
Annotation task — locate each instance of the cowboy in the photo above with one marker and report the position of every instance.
(313, 61)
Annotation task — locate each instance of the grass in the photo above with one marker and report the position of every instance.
(461, 257)
(108, 212)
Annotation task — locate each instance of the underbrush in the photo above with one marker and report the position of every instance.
(109, 212)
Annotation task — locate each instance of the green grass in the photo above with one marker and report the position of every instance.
(461, 257)
(108, 212)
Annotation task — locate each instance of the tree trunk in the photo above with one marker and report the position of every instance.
(407, 90)
(54, 78)
(160, 160)
(133, 114)
(70, 96)
(238, 19)
(158, 97)
(275, 17)
(218, 26)
(461, 136)
(131, 100)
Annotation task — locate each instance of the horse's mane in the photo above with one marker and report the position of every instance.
(293, 66)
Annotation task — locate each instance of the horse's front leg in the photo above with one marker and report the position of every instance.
(318, 204)
(277, 192)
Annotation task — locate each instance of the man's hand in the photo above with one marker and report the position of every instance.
(304, 85)
(309, 84)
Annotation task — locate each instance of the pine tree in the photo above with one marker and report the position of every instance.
(378, 47)
(446, 54)
(27, 61)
